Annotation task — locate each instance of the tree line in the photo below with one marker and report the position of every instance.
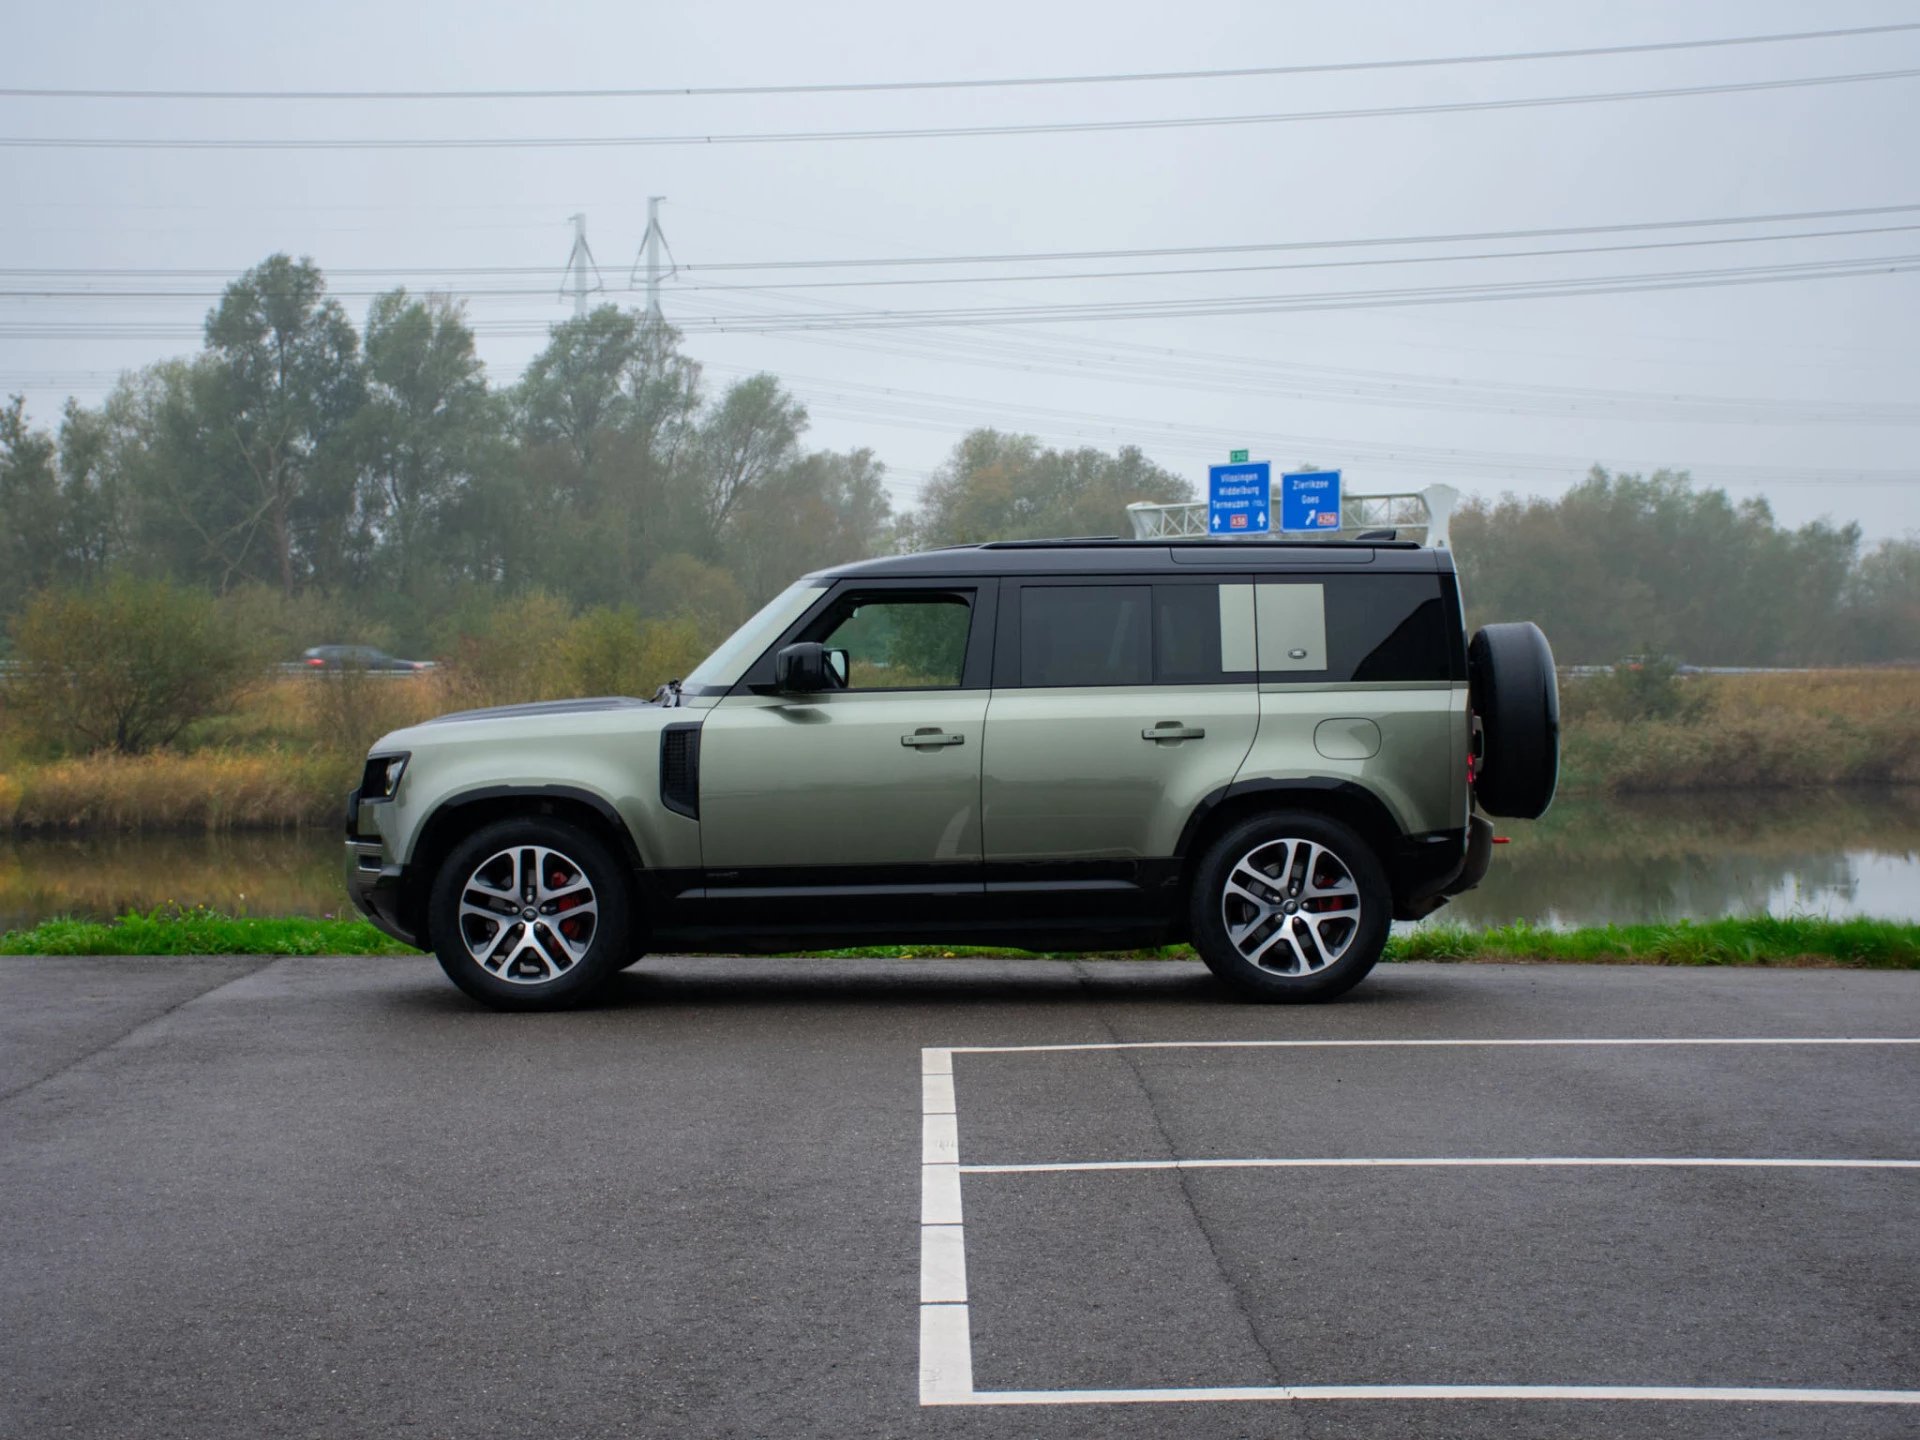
(337, 482)
(1653, 565)
(373, 475)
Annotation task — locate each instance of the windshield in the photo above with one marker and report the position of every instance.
(729, 662)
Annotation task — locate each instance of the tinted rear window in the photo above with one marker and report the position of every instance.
(1086, 635)
(1379, 627)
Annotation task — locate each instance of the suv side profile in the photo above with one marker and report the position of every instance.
(1270, 750)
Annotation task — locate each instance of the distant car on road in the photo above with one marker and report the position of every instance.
(357, 657)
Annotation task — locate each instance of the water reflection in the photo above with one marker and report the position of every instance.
(1593, 862)
(293, 873)
(1589, 862)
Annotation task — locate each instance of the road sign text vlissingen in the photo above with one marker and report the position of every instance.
(1310, 501)
(1237, 499)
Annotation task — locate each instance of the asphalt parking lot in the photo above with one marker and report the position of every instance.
(808, 1198)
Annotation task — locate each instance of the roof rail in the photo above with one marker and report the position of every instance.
(1428, 511)
(1372, 540)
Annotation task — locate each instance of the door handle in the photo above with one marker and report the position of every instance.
(1173, 730)
(929, 737)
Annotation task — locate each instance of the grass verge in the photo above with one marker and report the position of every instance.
(1851, 944)
(199, 931)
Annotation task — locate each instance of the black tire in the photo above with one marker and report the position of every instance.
(1270, 842)
(547, 975)
(1516, 696)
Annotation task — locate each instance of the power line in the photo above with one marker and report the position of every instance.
(497, 292)
(1012, 257)
(1154, 309)
(1164, 252)
(783, 137)
(871, 86)
(1334, 300)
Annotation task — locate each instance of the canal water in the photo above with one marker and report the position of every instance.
(1589, 862)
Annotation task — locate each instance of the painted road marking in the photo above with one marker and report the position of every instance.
(1441, 1162)
(946, 1336)
(949, 1052)
(1427, 1392)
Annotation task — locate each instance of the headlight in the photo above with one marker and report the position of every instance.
(382, 776)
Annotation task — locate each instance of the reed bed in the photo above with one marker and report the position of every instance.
(1759, 732)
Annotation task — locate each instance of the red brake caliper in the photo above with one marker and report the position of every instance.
(568, 928)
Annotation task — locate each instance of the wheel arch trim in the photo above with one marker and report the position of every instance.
(435, 836)
(1265, 793)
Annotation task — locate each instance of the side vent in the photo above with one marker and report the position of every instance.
(680, 770)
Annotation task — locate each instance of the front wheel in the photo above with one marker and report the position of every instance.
(531, 914)
(1289, 907)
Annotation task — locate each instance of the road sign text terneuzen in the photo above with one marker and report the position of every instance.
(1310, 501)
(1237, 499)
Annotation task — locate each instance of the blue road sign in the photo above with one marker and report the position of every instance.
(1237, 499)
(1310, 501)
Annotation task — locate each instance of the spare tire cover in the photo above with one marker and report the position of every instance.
(1516, 694)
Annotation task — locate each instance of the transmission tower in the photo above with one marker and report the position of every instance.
(651, 244)
(580, 268)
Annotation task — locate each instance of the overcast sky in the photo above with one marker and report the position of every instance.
(1399, 396)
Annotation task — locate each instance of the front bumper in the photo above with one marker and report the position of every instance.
(378, 889)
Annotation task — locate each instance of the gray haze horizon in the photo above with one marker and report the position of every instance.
(1542, 387)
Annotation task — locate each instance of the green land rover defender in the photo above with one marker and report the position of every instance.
(1269, 750)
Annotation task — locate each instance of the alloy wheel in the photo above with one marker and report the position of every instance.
(1291, 906)
(528, 915)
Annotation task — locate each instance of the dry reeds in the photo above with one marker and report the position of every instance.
(1846, 727)
(210, 790)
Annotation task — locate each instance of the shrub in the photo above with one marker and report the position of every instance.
(1642, 689)
(533, 648)
(124, 667)
(348, 708)
(614, 652)
(679, 587)
(282, 625)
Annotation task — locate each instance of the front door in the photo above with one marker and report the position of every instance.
(869, 790)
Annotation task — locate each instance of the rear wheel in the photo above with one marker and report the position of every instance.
(531, 914)
(1290, 906)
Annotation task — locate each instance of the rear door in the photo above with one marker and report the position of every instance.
(1118, 703)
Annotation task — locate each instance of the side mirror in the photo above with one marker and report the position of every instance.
(809, 668)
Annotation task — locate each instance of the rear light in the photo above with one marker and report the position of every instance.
(315, 660)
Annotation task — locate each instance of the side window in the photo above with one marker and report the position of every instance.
(1202, 633)
(1086, 635)
(900, 641)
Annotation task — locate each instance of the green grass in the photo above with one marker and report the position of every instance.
(1854, 944)
(199, 931)
(1763, 940)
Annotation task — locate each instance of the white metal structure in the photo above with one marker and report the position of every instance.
(1421, 515)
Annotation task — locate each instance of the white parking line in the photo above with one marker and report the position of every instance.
(946, 1340)
(1425, 1392)
(1442, 1162)
(949, 1052)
